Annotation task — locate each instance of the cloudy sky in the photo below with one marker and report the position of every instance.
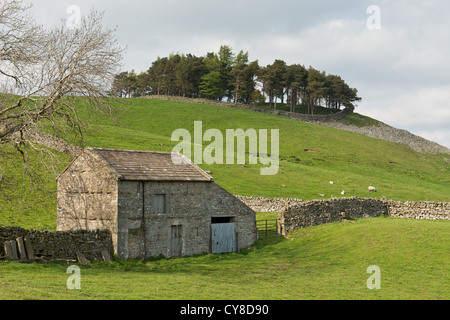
(394, 52)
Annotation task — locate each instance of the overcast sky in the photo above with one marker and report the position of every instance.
(401, 69)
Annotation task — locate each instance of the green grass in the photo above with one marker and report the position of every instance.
(29, 203)
(359, 120)
(266, 215)
(323, 262)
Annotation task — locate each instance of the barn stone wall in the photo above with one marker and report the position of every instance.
(87, 196)
(190, 204)
(91, 197)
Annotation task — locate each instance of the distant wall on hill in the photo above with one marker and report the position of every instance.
(293, 115)
(319, 118)
(260, 204)
(53, 142)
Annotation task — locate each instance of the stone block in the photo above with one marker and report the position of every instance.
(82, 259)
(21, 248)
(14, 252)
(8, 250)
(29, 248)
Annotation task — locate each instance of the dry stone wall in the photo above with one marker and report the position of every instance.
(190, 205)
(53, 142)
(61, 245)
(295, 213)
(293, 115)
(260, 204)
(419, 210)
(311, 213)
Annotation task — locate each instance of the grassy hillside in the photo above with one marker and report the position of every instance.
(323, 262)
(351, 161)
(29, 203)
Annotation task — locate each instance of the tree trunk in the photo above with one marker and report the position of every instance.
(236, 96)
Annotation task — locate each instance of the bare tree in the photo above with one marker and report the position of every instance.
(46, 68)
(20, 40)
(43, 72)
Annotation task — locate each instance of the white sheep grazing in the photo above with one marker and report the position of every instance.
(373, 189)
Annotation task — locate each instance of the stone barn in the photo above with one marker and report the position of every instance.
(153, 203)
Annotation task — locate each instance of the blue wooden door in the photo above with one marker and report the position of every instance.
(223, 237)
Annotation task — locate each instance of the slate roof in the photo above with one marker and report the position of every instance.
(151, 165)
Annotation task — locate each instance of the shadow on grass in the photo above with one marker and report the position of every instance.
(265, 242)
(201, 263)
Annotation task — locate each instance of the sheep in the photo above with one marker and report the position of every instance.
(372, 189)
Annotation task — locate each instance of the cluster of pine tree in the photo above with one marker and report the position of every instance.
(227, 76)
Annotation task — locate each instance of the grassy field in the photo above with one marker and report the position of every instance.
(321, 263)
(351, 161)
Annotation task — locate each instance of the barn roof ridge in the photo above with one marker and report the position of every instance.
(141, 165)
(127, 150)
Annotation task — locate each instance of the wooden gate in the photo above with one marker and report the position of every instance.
(223, 237)
(267, 228)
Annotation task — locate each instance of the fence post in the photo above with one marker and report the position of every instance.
(266, 228)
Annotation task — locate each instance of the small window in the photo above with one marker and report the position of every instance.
(159, 203)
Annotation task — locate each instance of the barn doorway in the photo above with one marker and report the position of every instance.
(223, 234)
(176, 241)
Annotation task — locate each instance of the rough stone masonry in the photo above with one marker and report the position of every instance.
(61, 245)
(295, 213)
